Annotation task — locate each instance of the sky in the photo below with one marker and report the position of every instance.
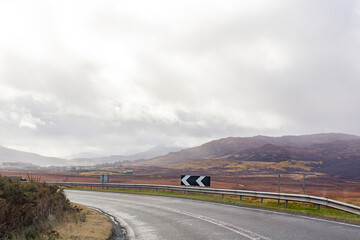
(119, 77)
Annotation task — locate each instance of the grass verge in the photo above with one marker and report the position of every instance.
(83, 223)
(88, 224)
(293, 207)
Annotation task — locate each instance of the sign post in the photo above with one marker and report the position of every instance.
(279, 189)
(304, 184)
(303, 188)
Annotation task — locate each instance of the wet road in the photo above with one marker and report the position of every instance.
(157, 217)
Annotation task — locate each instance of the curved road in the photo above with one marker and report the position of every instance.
(157, 217)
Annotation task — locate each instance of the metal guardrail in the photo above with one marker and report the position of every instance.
(319, 201)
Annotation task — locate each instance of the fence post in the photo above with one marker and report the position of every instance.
(286, 202)
(240, 198)
(261, 200)
(279, 190)
(304, 184)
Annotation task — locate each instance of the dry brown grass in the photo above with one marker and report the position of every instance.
(90, 225)
(354, 201)
(231, 166)
(97, 172)
(317, 184)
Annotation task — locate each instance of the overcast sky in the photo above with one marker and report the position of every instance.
(123, 76)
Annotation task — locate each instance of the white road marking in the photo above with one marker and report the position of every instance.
(243, 232)
(269, 211)
(284, 214)
(233, 228)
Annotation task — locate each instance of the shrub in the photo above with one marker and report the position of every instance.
(28, 204)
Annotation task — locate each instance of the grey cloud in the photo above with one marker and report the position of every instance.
(293, 62)
(70, 81)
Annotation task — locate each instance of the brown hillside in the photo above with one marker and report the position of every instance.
(304, 154)
(273, 153)
(235, 145)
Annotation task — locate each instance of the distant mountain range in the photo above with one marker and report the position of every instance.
(332, 154)
(84, 155)
(8, 155)
(151, 153)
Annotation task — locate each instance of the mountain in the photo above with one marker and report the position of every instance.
(272, 153)
(156, 152)
(233, 145)
(340, 158)
(8, 155)
(84, 155)
(330, 154)
(151, 153)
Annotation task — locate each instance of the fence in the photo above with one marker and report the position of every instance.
(319, 201)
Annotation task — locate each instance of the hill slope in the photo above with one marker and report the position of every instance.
(331, 154)
(151, 153)
(12, 156)
(234, 145)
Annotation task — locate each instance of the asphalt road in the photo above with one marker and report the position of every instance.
(156, 217)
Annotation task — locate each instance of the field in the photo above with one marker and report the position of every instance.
(318, 185)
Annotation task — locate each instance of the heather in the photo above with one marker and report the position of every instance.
(28, 208)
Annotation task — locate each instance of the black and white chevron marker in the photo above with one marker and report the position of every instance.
(188, 180)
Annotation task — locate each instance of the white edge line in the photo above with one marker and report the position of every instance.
(260, 210)
(286, 214)
(243, 232)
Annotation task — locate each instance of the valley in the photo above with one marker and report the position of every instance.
(330, 162)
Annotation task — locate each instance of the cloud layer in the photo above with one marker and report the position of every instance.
(122, 76)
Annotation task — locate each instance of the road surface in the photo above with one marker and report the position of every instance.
(156, 217)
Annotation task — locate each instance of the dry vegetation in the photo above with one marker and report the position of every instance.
(234, 166)
(317, 184)
(35, 210)
(26, 207)
(88, 224)
(97, 172)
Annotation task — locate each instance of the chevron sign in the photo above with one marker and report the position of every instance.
(188, 180)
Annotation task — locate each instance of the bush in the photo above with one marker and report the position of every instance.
(28, 204)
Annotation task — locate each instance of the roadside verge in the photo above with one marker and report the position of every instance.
(87, 224)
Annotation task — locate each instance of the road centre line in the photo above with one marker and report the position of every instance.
(246, 233)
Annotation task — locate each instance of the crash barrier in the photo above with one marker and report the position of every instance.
(319, 201)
